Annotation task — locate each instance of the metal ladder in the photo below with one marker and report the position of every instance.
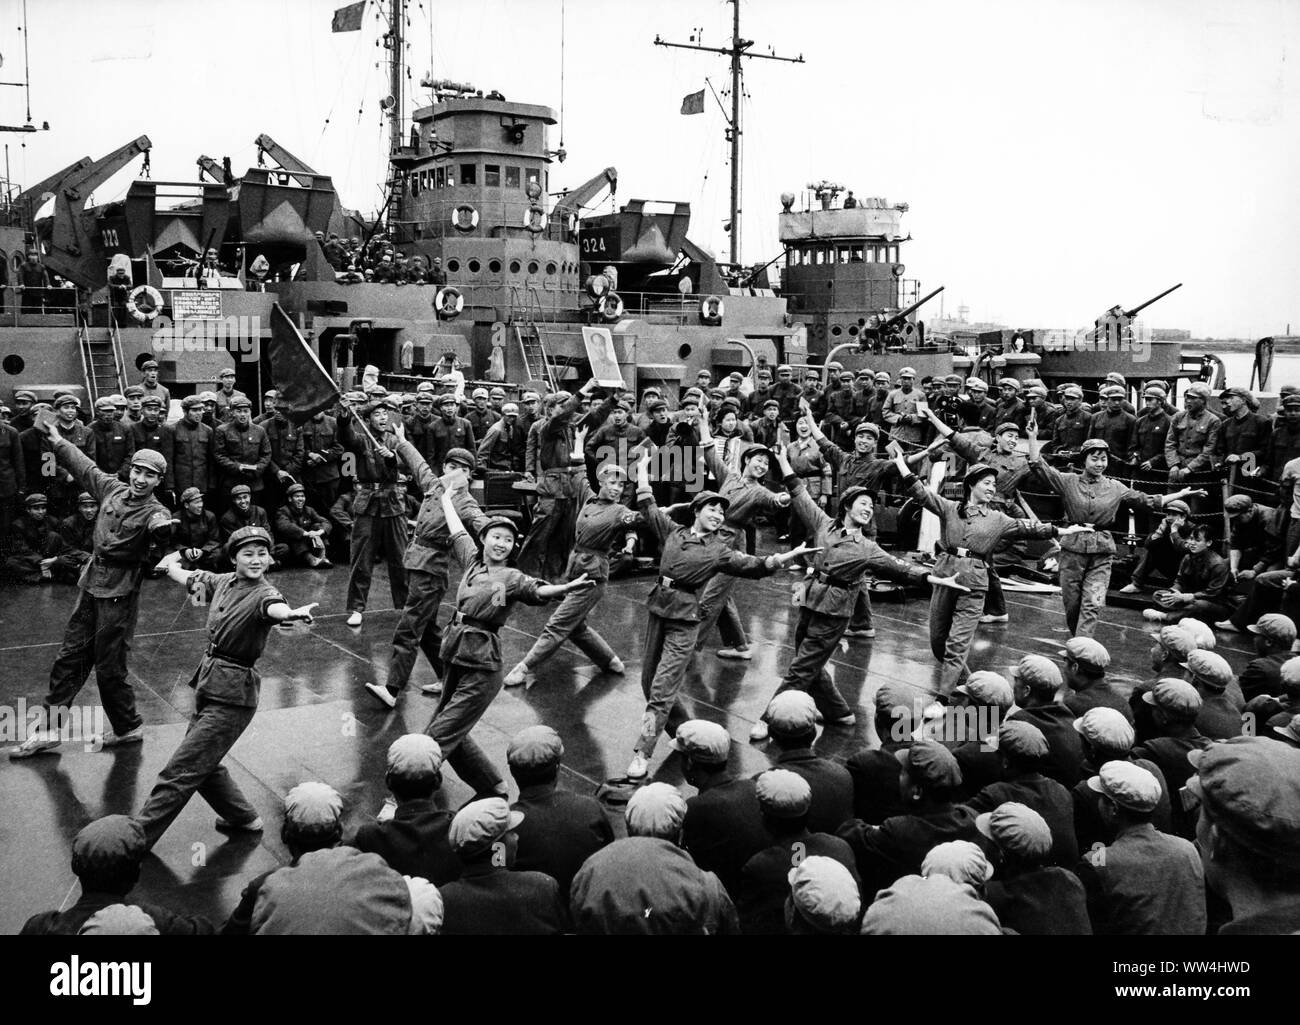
(533, 350)
(101, 358)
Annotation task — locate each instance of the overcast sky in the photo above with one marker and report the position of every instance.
(1059, 156)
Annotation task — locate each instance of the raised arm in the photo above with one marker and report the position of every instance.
(800, 502)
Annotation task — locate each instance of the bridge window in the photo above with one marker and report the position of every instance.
(440, 177)
(492, 175)
(871, 254)
(842, 252)
(468, 174)
(893, 254)
(855, 254)
(512, 177)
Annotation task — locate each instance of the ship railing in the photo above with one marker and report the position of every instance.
(20, 305)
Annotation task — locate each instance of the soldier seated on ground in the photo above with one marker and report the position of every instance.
(195, 533)
(77, 533)
(302, 530)
(243, 513)
(1201, 587)
(34, 543)
(1164, 549)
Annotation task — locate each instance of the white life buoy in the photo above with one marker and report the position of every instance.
(596, 285)
(144, 312)
(448, 303)
(535, 219)
(611, 307)
(464, 218)
(711, 309)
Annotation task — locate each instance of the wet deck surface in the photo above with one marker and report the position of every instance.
(316, 721)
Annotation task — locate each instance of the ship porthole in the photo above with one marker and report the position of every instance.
(474, 266)
(550, 270)
(862, 322)
(683, 351)
(494, 266)
(13, 364)
(837, 330)
(453, 266)
(853, 331)
(532, 267)
(514, 266)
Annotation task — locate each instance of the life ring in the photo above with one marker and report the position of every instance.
(611, 307)
(144, 312)
(464, 218)
(711, 309)
(535, 219)
(448, 303)
(597, 285)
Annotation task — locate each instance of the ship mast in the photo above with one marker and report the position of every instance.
(394, 42)
(739, 48)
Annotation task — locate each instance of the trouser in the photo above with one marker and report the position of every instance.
(1206, 611)
(717, 608)
(668, 647)
(1085, 576)
(417, 628)
(195, 767)
(545, 551)
(815, 640)
(384, 537)
(995, 602)
(322, 495)
(1159, 556)
(569, 622)
(954, 617)
(98, 636)
(68, 565)
(862, 619)
(8, 512)
(1266, 595)
(467, 691)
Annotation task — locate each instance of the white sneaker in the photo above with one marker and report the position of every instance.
(518, 675)
(1228, 626)
(847, 720)
(988, 617)
(354, 619)
(383, 694)
(616, 666)
(861, 631)
(741, 653)
(387, 812)
(1130, 589)
(224, 826)
(111, 739)
(37, 743)
(1153, 615)
(758, 731)
(432, 689)
(638, 767)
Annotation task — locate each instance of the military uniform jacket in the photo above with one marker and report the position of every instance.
(483, 603)
(125, 529)
(724, 828)
(601, 527)
(1115, 429)
(40, 467)
(291, 524)
(1149, 437)
(480, 420)
(831, 785)
(1204, 575)
(854, 469)
(197, 532)
(1245, 436)
(376, 491)
(846, 559)
(413, 842)
(233, 446)
(805, 458)
(898, 845)
(1012, 467)
(78, 534)
(1015, 411)
(162, 393)
(748, 498)
(286, 446)
(559, 832)
(1092, 500)
(32, 536)
(978, 530)
(114, 446)
(1283, 446)
(188, 449)
(503, 447)
(982, 414)
(1192, 441)
(1070, 430)
(320, 436)
(1145, 883)
(232, 519)
(430, 547)
(13, 473)
(608, 442)
(238, 625)
(146, 436)
(446, 436)
(419, 432)
(223, 403)
(689, 561)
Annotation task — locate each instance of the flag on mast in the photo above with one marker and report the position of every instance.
(348, 19)
(305, 388)
(693, 103)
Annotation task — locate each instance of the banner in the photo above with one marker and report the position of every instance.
(693, 103)
(348, 19)
(305, 389)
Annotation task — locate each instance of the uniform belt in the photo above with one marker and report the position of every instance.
(580, 550)
(216, 653)
(677, 585)
(834, 581)
(435, 544)
(806, 476)
(459, 619)
(966, 553)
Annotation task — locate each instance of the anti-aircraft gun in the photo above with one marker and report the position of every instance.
(1114, 328)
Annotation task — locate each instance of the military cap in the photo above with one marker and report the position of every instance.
(784, 368)
(497, 393)
(611, 469)
(953, 379)
(1209, 668)
(294, 489)
(1022, 739)
(313, 804)
(480, 391)
(1200, 631)
(883, 375)
(783, 794)
(1039, 673)
(1199, 388)
(656, 809)
(271, 393)
(791, 712)
(959, 860)
(1002, 428)
(152, 400)
(394, 402)
(976, 384)
(708, 498)
(1072, 391)
(978, 470)
(462, 457)
(414, 756)
(907, 372)
(240, 489)
(913, 906)
(67, 400)
(447, 399)
(735, 375)
(1112, 391)
(376, 391)
(245, 536)
(1177, 697)
(35, 499)
(1094, 445)
(1009, 382)
(1237, 504)
(189, 494)
(1276, 627)
(1105, 728)
(867, 427)
(865, 372)
(752, 451)
(104, 402)
(1016, 829)
(226, 372)
(119, 920)
(692, 393)
(480, 824)
(190, 401)
(108, 843)
(424, 398)
(850, 496)
(931, 763)
(1291, 731)
(425, 386)
(704, 741)
(135, 391)
(511, 409)
(1127, 785)
(1037, 388)
(5, 410)
(659, 404)
(717, 393)
(1178, 506)
(534, 748)
(207, 396)
(987, 688)
(1116, 377)
(625, 407)
(1087, 651)
(241, 402)
(1155, 389)
(824, 894)
(499, 521)
(845, 376)
(1174, 639)
(1291, 402)
(427, 909)
(23, 395)
(1237, 390)
(150, 460)
(86, 498)
(1247, 786)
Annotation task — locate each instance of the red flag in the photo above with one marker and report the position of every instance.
(348, 19)
(693, 103)
(305, 388)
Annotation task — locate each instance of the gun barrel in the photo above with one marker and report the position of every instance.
(902, 315)
(1138, 309)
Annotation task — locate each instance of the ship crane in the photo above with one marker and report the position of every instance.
(575, 199)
